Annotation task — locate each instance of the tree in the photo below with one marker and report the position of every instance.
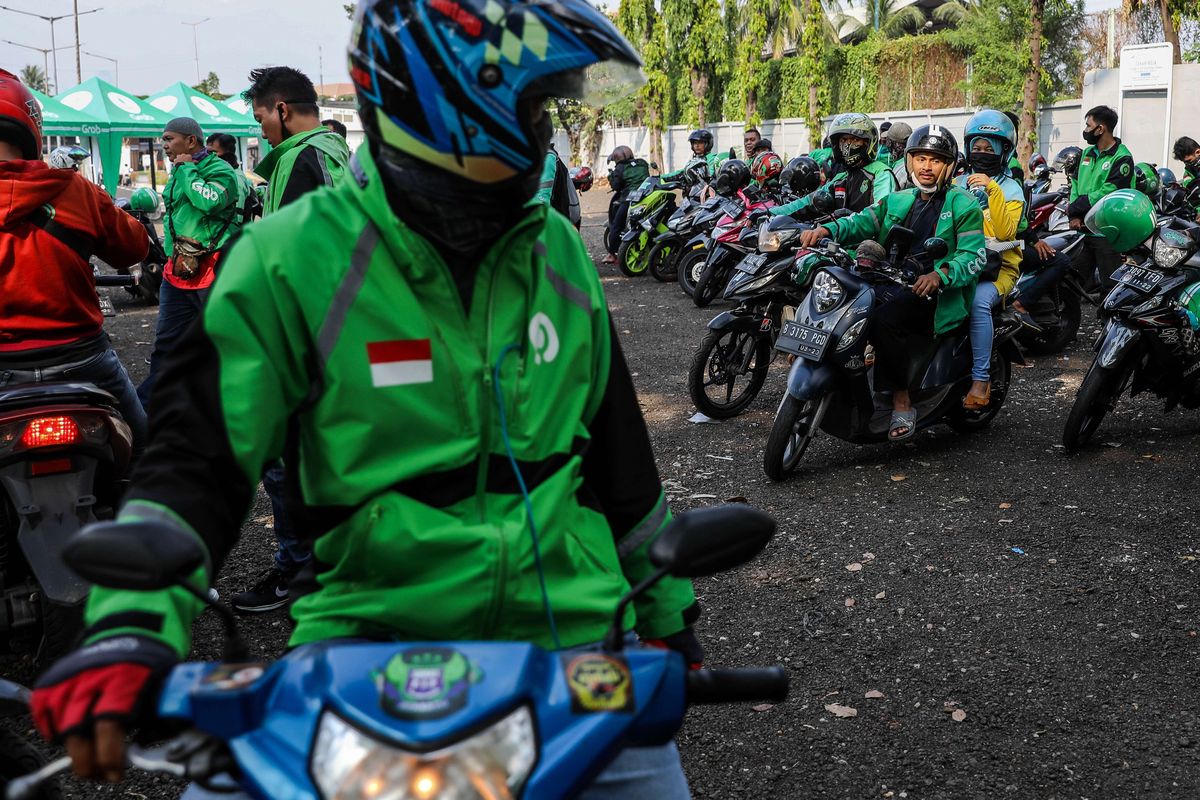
(349, 8)
(34, 77)
(894, 20)
(638, 20)
(1170, 12)
(210, 86)
(698, 50)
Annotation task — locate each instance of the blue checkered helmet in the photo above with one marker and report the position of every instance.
(458, 84)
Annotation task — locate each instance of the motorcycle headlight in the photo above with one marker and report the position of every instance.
(637, 212)
(827, 292)
(768, 241)
(348, 764)
(1169, 250)
(852, 333)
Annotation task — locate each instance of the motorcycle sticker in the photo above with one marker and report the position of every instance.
(425, 683)
(598, 682)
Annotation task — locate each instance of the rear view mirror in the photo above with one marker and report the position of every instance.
(711, 540)
(733, 152)
(140, 556)
(842, 213)
(822, 201)
(653, 165)
(936, 248)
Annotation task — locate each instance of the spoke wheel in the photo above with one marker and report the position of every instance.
(728, 371)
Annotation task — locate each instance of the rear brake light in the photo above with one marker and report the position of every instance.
(53, 466)
(50, 432)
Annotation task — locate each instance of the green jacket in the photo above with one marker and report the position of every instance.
(301, 163)
(859, 190)
(714, 161)
(960, 225)
(203, 200)
(337, 335)
(1100, 174)
(884, 156)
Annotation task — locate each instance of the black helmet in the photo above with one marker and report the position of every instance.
(1166, 177)
(733, 175)
(1037, 165)
(1067, 161)
(702, 136)
(937, 140)
(802, 175)
(1173, 202)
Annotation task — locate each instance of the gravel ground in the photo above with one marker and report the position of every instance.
(972, 616)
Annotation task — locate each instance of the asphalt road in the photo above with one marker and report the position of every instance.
(973, 616)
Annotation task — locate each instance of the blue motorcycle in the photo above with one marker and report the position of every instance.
(350, 719)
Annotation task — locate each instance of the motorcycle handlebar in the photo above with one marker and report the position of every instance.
(764, 684)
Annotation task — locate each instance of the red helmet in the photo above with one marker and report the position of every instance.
(766, 167)
(582, 178)
(20, 116)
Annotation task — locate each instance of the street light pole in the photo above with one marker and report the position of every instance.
(196, 44)
(45, 51)
(53, 45)
(116, 66)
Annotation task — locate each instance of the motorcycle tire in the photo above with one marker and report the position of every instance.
(711, 361)
(631, 257)
(1099, 392)
(61, 628)
(1054, 338)
(662, 262)
(689, 269)
(712, 282)
(19, 757)
(790, 436)
(963, 421)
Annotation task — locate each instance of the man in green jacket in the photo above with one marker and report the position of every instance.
(1105, 166)
(861, 179)
(934, 207)
(453, 403)
(305, 155)
(203, 202)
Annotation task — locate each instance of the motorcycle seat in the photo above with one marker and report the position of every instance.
(26, 395)
(1044, 198)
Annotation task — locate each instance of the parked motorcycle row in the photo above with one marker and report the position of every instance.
(813, 307)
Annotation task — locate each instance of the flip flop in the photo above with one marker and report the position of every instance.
(903, 419)
(978, 402)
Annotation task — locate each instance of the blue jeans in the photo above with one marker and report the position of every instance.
(106, 371)
(639, 773)
(1049, 274)
(986, 298)
(177, 310)
(291, 554)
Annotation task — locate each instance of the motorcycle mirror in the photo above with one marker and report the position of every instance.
(140, 556)
(733, 152)
(653, 165)
(711, 540)
(841, 213)
(936, 248)
(822, 202)
(14, 699)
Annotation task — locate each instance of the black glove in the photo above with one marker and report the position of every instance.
(685, 643)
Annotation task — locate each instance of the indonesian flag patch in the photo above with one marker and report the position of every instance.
(400, 362)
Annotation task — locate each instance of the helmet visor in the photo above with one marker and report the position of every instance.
(596, 85)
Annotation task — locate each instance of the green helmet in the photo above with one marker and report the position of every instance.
(860, 126)
(1125, 218)
(1145, 179)
(144, 200)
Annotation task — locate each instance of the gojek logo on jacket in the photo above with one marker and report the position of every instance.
(543, 338)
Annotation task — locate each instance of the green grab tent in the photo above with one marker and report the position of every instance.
(181, 100)
(62, 120)
(241, 106)
(122, 114)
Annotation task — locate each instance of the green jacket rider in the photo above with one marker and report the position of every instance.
(861, 180)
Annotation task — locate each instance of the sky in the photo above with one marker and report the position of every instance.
(154, 49)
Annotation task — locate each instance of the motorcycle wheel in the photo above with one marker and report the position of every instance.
(689, 269)
(717, 365)
(631, 256)
(1097, 395)
(790, 436)
(712, 282)
(662, 262)
(61, 626)
(964, 421)
(1055, 337)
(19, 757)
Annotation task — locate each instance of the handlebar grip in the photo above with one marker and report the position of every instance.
(116, 280)
(764, 684)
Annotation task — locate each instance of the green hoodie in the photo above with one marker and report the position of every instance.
(203, 200)
(337, 334)
(331, 156)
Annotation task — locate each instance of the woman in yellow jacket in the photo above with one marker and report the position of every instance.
(990, 140)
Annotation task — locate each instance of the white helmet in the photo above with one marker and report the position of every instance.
(68, 157)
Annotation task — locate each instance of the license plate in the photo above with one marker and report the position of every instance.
(1142, 279)
(752, 264)
(802, 340)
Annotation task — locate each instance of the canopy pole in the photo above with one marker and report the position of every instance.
(153, 171)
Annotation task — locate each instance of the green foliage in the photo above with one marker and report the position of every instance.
(210, 86)
(698, 53)
(349, 9)
(34, 77)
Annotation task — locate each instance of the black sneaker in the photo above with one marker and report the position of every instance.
(267, 594)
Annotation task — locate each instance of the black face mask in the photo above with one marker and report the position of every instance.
(1092, 136)
(989, 164)
(1192, 168)
(852, 156)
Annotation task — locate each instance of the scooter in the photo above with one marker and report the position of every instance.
(715, 212)
(830, 385)
(425, 720)
(731, 241)
(1147, 344)
(64, 454)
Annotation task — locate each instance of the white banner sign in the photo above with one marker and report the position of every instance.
(1146, 66)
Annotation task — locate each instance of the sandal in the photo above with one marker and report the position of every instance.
(978, 402)
(904, 425)
(609, 259)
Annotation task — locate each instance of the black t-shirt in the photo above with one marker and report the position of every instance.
(922, 219)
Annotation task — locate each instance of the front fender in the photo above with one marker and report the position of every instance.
(736, 321)
(1118, 340)
(632, 234)
(808, 380)
(697, 242)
